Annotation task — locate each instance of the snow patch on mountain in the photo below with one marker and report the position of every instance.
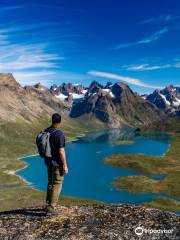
(108, 91)
(61, 96)
(166, 101)
(176, 102)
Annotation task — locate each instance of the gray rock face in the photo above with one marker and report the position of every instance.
(167, 99)
(99, 104)
(156, 99)
(69, 101)
(116, 105)
(94, 87)
(85, 222)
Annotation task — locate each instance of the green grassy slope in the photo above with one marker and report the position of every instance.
(168, 164)
(17, 139)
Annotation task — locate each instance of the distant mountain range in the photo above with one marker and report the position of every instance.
(167, 99)
(114, 104)
(117, 105)
(77, 91)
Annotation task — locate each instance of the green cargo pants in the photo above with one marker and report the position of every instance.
(55, 180)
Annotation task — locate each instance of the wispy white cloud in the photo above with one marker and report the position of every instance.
(12, 28)
(117, 77)
(152, 38)
(145, 67)
(25, 78)
(161, 18)
(148, 67)
(27, 59)
(26, 5)
(26, 56)
(34, 51)
(12, 7)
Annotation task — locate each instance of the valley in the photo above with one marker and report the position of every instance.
(167, 165)
(26, 110)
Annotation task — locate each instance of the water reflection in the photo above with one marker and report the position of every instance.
(125, 134)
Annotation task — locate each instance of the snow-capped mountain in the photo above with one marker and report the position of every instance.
(167, 99)
(77, 91)
(95, 88)
(116, 105)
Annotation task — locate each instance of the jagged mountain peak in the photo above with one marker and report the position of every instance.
(170, 88)
(94, 82)
(167, 99)
(7, 79)
(121, 89)
(40, 87)
(108, 85)
(156, 90)
(122, 85)
(116, 106)
(94, 87)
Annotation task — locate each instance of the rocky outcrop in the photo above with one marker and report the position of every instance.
(111, 222)
(69, 100)
(117, 105)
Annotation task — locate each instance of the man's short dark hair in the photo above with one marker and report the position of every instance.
(56, 118)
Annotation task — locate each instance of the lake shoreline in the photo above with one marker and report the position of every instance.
(24, 134)
(167, 164)
(80, 195)
(26, 165)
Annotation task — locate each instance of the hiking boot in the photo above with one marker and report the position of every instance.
(51, 211)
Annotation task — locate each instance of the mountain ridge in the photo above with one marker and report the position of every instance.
(117, 105)
(27, 102)
(114, 104)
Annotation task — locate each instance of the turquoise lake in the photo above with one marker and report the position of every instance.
(88, 176)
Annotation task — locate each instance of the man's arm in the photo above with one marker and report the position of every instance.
(62, 154)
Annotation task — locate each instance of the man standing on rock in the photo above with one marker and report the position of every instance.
(56, 165)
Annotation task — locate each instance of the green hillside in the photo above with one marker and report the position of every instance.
(169, 164)
(17, 139)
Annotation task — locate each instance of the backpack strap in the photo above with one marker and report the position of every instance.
(55, 130)
(47, 130)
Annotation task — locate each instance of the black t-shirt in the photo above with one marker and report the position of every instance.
(57, 141)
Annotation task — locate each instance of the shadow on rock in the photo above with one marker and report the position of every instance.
(38, 212)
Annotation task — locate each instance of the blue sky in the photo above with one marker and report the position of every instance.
(77, 41)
